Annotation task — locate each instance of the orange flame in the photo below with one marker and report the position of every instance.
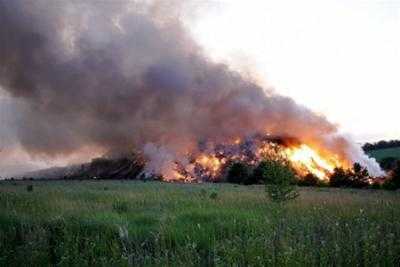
(211, 163)
(303, 158)
(306, 160)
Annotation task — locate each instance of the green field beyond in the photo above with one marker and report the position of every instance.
(380, 154)
(127, 223)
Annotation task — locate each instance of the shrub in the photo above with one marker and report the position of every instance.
(259, 173)
(323, 183)
(279, 181)
(389, 185)
(29, 188)
(238, 173)
(308, 180)
(339, 178)
(393, 182)
(396, 175)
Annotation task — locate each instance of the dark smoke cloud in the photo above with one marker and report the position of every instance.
(122, 74)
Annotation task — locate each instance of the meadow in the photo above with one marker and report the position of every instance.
(132, 223)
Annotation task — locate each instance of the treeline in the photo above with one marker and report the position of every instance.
(381, 145)
(268, 170)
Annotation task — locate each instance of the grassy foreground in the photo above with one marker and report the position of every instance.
(127, 223)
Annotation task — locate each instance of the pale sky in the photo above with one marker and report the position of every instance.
(340, 58)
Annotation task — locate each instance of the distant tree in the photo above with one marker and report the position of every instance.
(360, 176)
(339, 178)
(308, 180)
(381, 145)
(356, 177)
(367, 147)
(238, 172)
(357, 167)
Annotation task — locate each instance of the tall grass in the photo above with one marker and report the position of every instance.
(152, 224)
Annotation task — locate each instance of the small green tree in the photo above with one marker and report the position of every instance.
(280, 181)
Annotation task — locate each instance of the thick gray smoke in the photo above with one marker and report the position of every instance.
(121, 75)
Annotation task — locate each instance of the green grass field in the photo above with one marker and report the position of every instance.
(380, 154)
(127, 223)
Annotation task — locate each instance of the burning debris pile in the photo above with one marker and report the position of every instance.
(211, 161)
(124, 167)
(126, 76)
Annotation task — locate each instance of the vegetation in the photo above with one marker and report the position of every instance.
(120, 206)
(393, 182)
(381, 154)
(238, 173)
(267, 171)
(277, 172)
(387, 153)
(357, 177)
(78, 223)
(29, 188)
(279, 180)
(388, 163)
(309, 180)
(381, 145)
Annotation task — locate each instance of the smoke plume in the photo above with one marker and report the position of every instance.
(122, 75)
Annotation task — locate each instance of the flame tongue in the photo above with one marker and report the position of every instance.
(306, 160)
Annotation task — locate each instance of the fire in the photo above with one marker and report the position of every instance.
(237, 141)
(210, 162)
(210, 166)
(306, 160)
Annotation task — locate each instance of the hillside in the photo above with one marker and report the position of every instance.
(380, 154)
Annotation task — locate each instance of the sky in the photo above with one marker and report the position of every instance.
(339, 58)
